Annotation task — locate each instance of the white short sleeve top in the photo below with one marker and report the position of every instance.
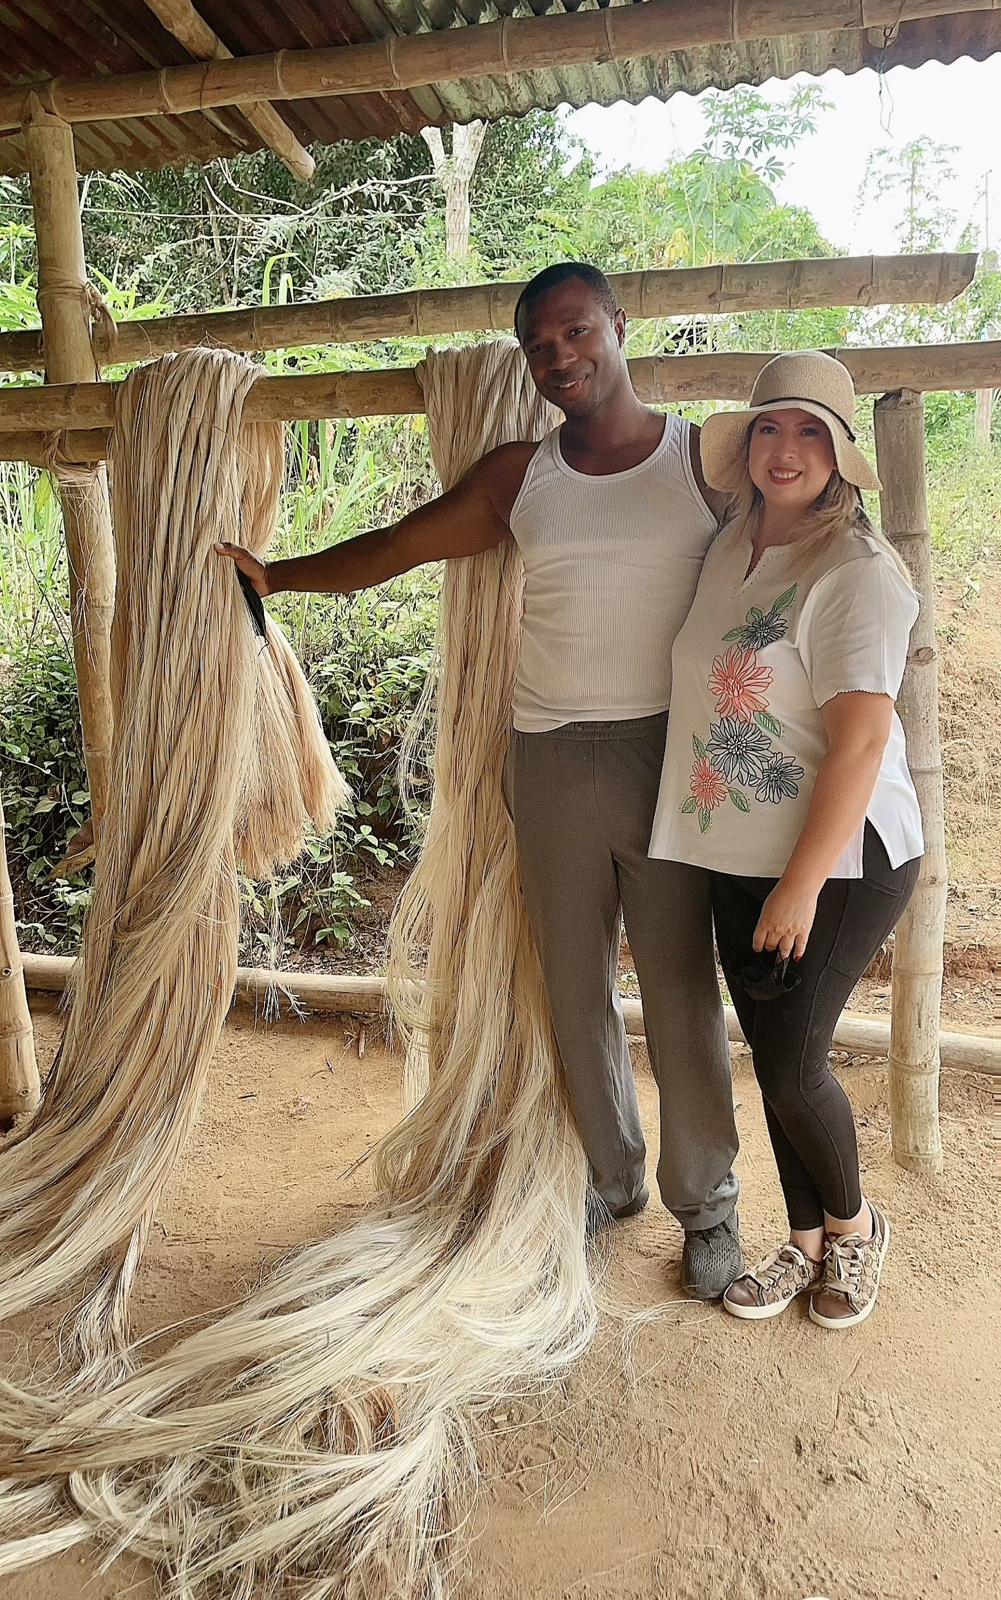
(753, 664)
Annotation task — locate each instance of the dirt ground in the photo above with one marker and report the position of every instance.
(698, 1459)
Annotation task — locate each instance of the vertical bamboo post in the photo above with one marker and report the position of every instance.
(69, 358)
(918, 947)
(19, 1090)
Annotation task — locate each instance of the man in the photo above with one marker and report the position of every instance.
(611, 518)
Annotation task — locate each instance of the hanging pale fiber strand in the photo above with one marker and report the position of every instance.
(319, 1440)
(219, 754)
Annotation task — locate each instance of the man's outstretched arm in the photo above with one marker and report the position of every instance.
(471, 517)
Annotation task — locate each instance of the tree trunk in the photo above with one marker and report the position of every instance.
(19, 1089)
(983, 416)
(917, 952)
(455, 174)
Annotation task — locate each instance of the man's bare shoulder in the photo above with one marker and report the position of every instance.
(716, 499)
(502, 473)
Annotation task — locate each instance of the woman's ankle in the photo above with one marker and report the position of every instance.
(809, 1241)
(862, 1224)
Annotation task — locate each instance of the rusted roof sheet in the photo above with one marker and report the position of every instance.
(81, 38)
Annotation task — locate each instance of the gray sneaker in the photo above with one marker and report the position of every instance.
(712, 1259)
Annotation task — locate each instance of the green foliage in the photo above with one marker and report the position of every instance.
(920, 174)
(44, 784)
(368, 663)
(964, 506)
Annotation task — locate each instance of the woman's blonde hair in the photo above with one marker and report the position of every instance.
(839, 509)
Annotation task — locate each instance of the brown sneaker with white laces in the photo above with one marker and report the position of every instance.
(851, 1276)
(773, 1285)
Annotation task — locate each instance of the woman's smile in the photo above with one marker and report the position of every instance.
(790, 458)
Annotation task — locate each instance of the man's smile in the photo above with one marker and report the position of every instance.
(569, 387)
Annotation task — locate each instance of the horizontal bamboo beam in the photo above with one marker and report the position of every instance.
(366, 996)
(489, 307)
(81, 449)
(189, 27)
(29, 415)
(485, 50)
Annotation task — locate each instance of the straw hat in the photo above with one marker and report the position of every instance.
(804, 380)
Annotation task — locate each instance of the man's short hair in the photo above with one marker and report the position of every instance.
(560, 272)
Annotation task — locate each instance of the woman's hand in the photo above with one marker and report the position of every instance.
(786, 919)
(249, 565)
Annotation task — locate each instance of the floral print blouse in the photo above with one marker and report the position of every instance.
(753, 664)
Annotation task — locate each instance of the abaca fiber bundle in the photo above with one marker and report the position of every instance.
(318, 1441)
(218, 755)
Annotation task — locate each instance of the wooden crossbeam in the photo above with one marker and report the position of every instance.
(482, 307)
(493, 49)
(30, 416)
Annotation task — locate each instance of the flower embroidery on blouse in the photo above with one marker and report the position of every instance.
(739, 683)
(778, 779)
(762, 628)
(740, 750)
(708, 786)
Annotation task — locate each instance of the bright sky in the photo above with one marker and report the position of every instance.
(956, 105)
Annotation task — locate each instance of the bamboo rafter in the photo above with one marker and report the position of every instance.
(189, 27)
(475, 308)
(493, 49)
(29, 416)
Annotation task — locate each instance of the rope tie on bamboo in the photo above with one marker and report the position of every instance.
(162, 94)
(505, 25)
(57, 459)
(609, 51)
(391, 61)
(102, 329)
(279, 71)
(102, 332)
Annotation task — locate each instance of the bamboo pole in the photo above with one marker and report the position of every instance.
(502, 49)
(338, 994)
(19, 1087)
(395, 391)
(483, 307)
(69, 359)
(918, 946)
(180, 18)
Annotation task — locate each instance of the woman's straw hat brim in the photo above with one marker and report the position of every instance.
(804, 380)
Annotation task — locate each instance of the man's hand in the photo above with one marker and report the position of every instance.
(249, 565)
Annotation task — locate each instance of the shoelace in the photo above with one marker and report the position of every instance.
(845, 1265)
(778, 1265)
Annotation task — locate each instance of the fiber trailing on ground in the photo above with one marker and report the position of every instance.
(317, 1441)
(219, 755)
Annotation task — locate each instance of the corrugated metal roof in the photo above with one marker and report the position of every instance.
(82, 38)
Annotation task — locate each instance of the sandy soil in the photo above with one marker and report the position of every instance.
(701, 1459)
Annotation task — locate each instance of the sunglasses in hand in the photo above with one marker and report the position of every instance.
(768, 978)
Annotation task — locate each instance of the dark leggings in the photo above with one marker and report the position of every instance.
(809, 1117)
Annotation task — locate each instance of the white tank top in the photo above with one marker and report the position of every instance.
(611, 567)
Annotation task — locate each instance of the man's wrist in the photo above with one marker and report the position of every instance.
(275, 574)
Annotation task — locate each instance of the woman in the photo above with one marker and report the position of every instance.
(785, 777)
